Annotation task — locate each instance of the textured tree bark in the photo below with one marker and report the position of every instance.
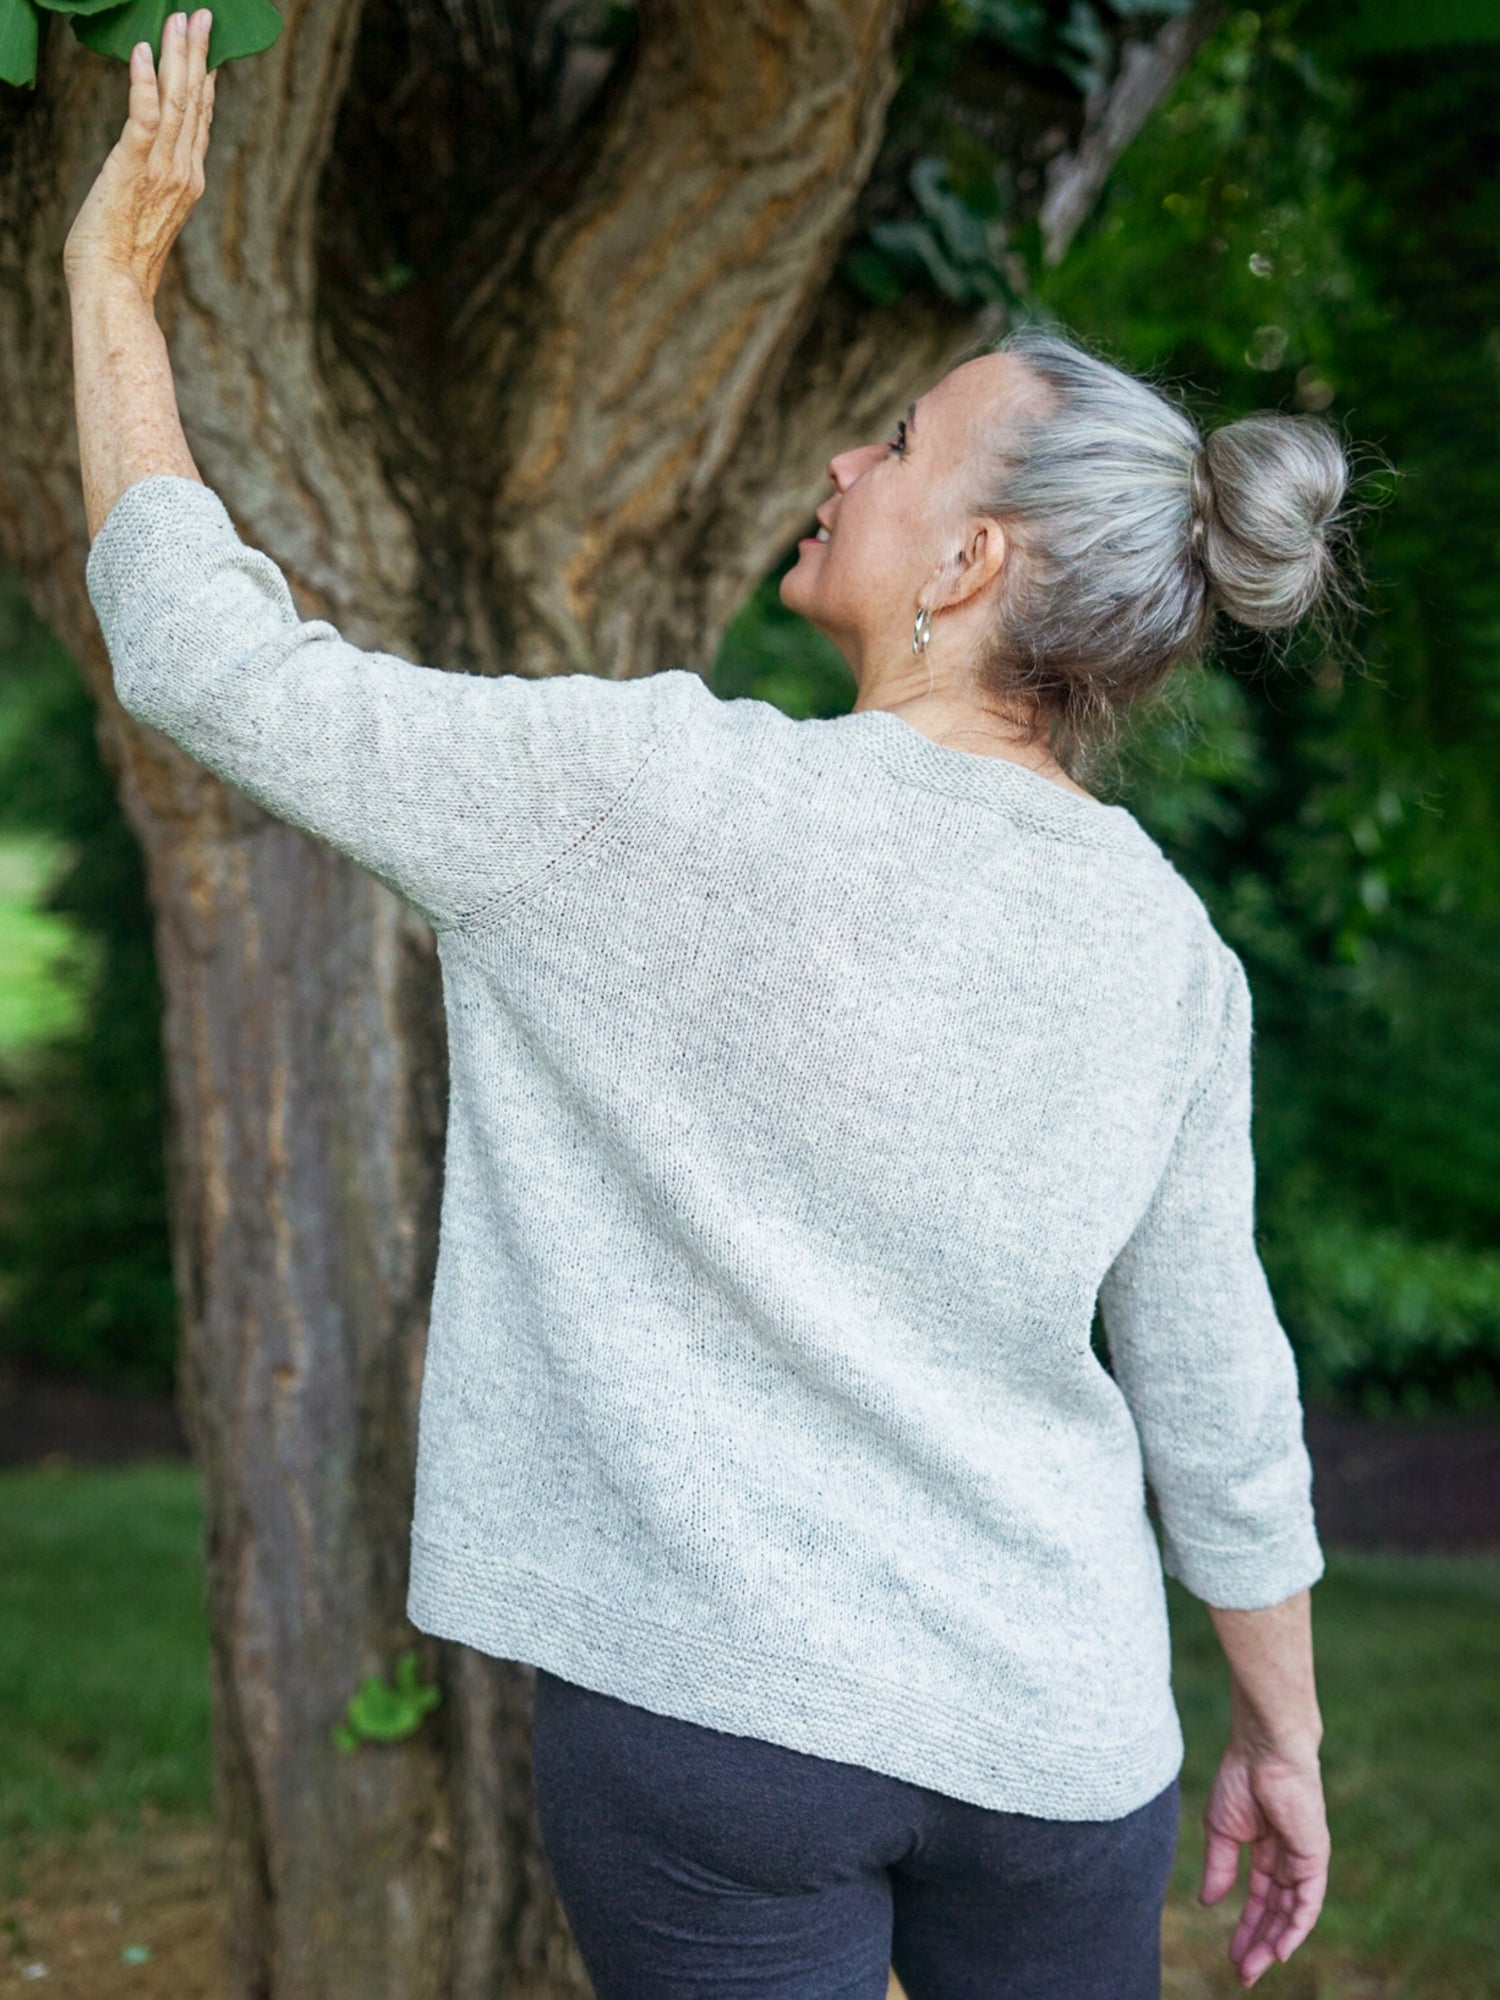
(517, 355)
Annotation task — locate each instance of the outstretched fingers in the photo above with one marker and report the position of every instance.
(192, 134)
(143, 114)
(182, 83)
(172, 84)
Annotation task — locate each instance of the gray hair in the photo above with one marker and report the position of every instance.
(1132, 531)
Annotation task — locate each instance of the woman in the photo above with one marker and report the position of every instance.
(811, 1084)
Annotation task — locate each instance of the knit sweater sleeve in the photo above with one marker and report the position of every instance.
(453, 788)
(1200, 1354)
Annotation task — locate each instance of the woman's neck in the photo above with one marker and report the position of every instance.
(949, 718)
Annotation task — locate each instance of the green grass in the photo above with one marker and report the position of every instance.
(103, 1648)
(104, 1705)
(41, 960)
(1407, 1650)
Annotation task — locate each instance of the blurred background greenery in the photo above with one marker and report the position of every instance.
(1310, 222)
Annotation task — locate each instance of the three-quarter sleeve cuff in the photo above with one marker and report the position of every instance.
(1247, 1578)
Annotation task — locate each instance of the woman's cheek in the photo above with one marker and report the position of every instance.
(839, 586)
(874, 579)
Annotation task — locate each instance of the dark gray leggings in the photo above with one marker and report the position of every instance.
(695, 1865)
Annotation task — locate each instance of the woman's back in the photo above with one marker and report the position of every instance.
(801, 1108)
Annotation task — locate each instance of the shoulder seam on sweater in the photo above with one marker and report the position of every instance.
(489, 908)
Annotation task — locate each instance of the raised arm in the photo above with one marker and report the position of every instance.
(116, 250)
(457, 790)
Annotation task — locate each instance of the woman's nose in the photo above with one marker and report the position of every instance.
(843, 468)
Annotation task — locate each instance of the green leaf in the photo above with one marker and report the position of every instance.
(966, 237)
(20, 29)
(77, 7)
(240, 28)
(957, 243)
(384, 1714)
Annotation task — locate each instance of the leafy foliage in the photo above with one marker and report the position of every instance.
(984, 83)
(85, 1274)
(113, 27)
(1310, 226)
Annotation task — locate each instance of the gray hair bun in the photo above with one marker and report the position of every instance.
(1265, 494)
(1132, 532)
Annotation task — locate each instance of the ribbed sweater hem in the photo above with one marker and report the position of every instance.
(512, 1613)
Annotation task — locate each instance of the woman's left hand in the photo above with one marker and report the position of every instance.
(150, 183)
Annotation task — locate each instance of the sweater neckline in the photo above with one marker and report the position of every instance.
(997, 782)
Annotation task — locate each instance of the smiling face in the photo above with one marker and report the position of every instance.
(897, 530)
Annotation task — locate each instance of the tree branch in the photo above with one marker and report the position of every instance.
(1112, 118)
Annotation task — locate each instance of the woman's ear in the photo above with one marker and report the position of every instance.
(972, 564)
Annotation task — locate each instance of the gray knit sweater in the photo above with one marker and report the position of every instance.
(810, 1083)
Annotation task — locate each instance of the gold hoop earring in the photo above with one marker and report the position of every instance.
(921, 631)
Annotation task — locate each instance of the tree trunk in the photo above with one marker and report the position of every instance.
(551, 398)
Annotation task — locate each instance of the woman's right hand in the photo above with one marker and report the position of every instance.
(1274, 1801)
